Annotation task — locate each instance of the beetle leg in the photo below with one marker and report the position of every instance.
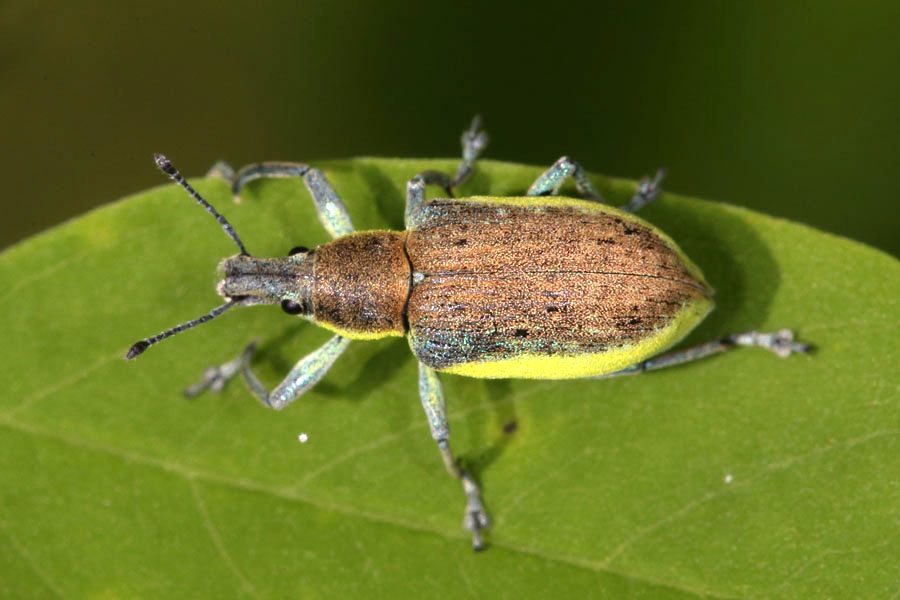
(780, 342)
(647, 191)
(415, 192)
(475, 518)
(473, 142)
(221, 170)
(331, 210)
(305, 374)
(551, 180)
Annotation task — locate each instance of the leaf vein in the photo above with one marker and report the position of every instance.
(787, 463)
(32, 564)
(248, 485)
(217, 539)
(61, 384)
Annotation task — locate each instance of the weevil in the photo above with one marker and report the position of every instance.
(538, 286)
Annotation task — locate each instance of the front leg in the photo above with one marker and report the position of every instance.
(331, 210)
(305, 374)
(475, 518)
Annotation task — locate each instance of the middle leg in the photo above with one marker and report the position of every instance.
(474, 140)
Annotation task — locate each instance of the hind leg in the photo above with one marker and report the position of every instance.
(551, 181)
(780, 343)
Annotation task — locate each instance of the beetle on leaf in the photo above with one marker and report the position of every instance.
(538, 286)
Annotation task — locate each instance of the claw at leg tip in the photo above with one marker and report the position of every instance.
(477, 542)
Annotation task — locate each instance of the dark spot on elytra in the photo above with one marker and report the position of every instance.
(552, 309)
(667, 302)
(630, 230)
(634, 321)
(606, 241)
(461, 242)
(520, 332)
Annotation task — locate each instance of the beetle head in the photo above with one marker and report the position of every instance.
(247, 280)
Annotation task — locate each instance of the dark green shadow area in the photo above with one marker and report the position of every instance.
(715, 239)
(389, 357)
(386, 195)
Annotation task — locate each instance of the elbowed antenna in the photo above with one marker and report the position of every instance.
(138, 347)
(165, 165)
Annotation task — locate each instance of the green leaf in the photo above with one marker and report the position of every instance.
(742, 475)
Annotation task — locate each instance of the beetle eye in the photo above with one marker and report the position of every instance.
(298, 250)
(291, 307)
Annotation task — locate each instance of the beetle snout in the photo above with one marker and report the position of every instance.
(266, 280)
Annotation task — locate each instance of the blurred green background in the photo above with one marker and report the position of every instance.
(790, 108)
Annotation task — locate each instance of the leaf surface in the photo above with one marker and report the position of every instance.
(739, 476)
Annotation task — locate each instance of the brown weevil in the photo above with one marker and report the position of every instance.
(538, 286)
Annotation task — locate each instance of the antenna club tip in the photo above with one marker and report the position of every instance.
(163, 164)
(137, 349)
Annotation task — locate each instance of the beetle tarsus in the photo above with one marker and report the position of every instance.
(215, 377)
(474, 140)
(475, 519)
(647, 191)
(781, 342)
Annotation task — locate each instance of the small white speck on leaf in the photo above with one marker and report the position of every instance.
(302, 437)
(729, 478)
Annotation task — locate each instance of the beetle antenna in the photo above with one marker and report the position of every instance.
(165, 165)
(138, 347)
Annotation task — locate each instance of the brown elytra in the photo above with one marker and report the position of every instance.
(498, 279)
